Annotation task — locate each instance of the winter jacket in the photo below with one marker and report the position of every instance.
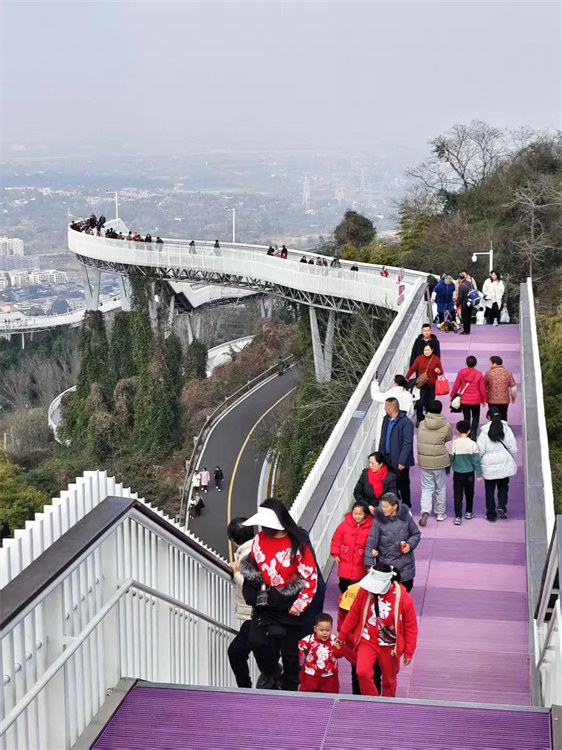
(280, 598)
(385, 536)
(420, 343)
(205, 478)
(493, 291)
(443, 294)
(433, 433)
(472, 381)
(401, 441)
(498, 461)
(428, 365)
(243, 610)
(364, 492)
(462, 295)
(405, 400)
(406, 622)
(465, 458)
(348, 543)
(500, 385)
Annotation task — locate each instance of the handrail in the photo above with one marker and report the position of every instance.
(212, 418)
(93, 623)
(40, 574)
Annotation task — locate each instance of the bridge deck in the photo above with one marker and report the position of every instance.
(470, 587)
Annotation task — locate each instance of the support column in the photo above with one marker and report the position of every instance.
(153, 308)
(170, 316)
(322, 351)
(266, 307)
(22, 340)
(92, 280)
(193, 326)
(125, 293)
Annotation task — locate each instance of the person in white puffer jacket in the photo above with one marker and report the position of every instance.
(398, 391)
(498, 457)
(493, 291)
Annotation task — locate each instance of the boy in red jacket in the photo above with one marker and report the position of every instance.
(382, 626)
(319, 673)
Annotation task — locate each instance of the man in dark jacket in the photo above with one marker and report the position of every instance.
(397, 444)
(425, 338)
(465, 287)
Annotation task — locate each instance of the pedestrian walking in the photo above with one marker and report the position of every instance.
(470, 386)
(378, 478)
(218, 476)
(397, 445)
(442, 295)
(319, 673)
(196, 479)
(463, 303)
(433, 459)
(399, 390)
(205, 478)
(427, 368)
(465, 462)
(498, 457)
(493, 290)
(501, 388)
(421, 341)
(349, 543)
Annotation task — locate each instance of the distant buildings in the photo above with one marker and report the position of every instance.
(21, 279)
(10, 246)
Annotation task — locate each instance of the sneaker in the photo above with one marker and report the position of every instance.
(441, 516)
(495, 322)
(491, 520)
(458, 521)
(502, 513)
(423, 519)
(468, 516)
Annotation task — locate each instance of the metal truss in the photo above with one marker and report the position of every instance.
(312, 299)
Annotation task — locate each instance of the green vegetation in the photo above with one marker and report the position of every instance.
(18, 500)
(550, 345)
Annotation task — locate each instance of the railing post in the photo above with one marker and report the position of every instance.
(53, 636)
(111, 626)
(163, 633)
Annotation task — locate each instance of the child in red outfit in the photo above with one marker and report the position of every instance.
(319, 673)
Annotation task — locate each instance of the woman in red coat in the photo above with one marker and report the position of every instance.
(429, 364)
(382, 626)
(348, 544)
(471, 387)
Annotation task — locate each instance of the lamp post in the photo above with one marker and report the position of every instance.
(233, 223)
(490, 253)
(116, 205)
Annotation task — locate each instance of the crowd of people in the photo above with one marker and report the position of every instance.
(95, 226)
(200, 482)
(459, 303)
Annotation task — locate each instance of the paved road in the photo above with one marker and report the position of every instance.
(230, 445)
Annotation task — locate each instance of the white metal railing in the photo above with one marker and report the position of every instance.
(341, 491)
(548, 620)
(365, 285)
(64, 511)
(38, 322)
(139, 603)
(215, 354)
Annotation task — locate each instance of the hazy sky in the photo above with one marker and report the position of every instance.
(278, 74)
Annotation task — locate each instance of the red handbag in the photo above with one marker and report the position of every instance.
(441, 386)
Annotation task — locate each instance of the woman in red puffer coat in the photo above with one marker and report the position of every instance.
(470, 386)
(348, 544)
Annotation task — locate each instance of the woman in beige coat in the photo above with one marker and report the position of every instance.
(434, 460)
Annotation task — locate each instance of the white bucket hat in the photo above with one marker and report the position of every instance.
(376, 581)
(264, 517)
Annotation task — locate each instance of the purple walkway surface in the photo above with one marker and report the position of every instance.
(176, 719)
(470, 589)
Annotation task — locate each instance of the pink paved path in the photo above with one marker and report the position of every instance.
(471, 587)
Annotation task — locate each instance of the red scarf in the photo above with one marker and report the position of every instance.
(375, 479)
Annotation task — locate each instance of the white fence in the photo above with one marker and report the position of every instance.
(139, 603)
(27, 324)
(365, 285)
(341, 491)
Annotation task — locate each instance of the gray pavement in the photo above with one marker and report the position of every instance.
(223, 448)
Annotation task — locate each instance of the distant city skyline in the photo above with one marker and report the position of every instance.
(191, 76)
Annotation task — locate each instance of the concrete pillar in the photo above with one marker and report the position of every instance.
(125, 293)
(22, 340)
(322, 351)
(153, 308)
(193, 326)
(92, 280)
(266, 307)
(170, 316)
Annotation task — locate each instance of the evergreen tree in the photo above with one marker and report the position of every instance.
(355, 229)
(18, 501)
(142, 337)
(94, 356)
(196, 360)
(121, 347)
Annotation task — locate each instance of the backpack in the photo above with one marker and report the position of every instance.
(474, 298)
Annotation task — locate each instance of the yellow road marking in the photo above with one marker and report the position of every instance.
(236, 463)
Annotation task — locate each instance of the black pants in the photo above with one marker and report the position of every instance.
(502, 408)
(471, 414)
(466, 317)
(239, 652)
(503, 488)
(286, 646)
(427, 395)
(345, 583)
(463, 484)
(403, 486)
(493, 313)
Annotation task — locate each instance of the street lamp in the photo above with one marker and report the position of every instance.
(116, 205)
(490, 253)
(233, 223)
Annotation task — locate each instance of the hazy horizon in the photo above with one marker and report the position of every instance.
(193, 76)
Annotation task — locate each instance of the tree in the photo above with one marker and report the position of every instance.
(142, 337)
(18, 501)
(121, 347)
(355, 229)
(15, 387)
(94, 355)
(196, 360)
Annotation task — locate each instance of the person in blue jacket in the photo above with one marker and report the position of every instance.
(397, 444)
(443, 296)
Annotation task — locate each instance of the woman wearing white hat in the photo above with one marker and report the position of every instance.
(382, 626)
(280, 581)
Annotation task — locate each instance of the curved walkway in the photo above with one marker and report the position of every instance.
(230, 446)
(471, 582)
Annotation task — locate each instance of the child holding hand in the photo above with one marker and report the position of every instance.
(319, 673)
